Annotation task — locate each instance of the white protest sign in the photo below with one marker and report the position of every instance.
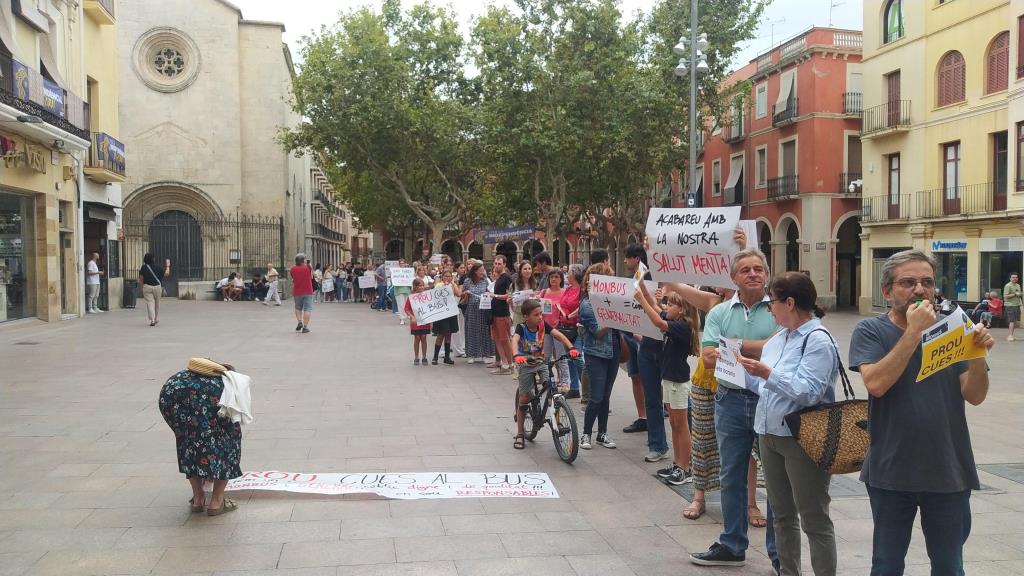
(388, 265)
(404, 486)
(521, 296)
(402, 276)
(692, 245)
(641, 271)
(614, 306)
(727, 368)
(485, 301)
(436, 259)
(367, 282)
(750, 229)
(433, 305)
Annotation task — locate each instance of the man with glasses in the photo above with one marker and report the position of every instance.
(920, 454)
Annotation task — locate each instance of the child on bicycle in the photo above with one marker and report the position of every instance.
(680, 323)
(419, 331)
(529, 341)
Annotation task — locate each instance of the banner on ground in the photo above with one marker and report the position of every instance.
(947, 342)
(402, 276)
(727, 367)
(367, 282)
(615, 307)
(404, 486)
(692, 245)
(433, 305)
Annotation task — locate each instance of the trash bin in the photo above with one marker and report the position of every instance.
(131, 288)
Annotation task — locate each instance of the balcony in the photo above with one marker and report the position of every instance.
(887, 118)
(851, 184)
(324, 231)
(106, 159)
(102, 11)
(733, 133)
(960, 200)
(784, 188)
(882, 209)
(787, 115)
(853, 103)
(29, 92)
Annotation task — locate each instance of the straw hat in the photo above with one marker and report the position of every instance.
(206, 367)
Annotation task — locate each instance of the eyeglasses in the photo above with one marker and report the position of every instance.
(911, 283)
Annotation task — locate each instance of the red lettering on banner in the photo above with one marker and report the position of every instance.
(631, 320)
(668, 263)
(711, 263)
(282, 476)
(604, 287)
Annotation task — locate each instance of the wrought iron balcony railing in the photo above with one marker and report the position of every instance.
(850, 183)
(957, 200)
(784, 187)
(788, 114)
(27, 90)
(889, 117)
(853, 103)
(885, 208)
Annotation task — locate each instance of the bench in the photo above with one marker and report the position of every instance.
(967, 306)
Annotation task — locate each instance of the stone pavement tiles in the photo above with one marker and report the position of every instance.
(90, 484)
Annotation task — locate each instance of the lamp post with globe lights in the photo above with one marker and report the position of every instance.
(692, 63)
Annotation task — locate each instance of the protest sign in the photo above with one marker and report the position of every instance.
(546, 306)
(388, 265)
(727, 368)
(615, 307)
(435, 259)
(485, 301)
(521, 296)
(402, 276)
(433, 305)
(367, 282)
(692, 245)
(641, 271)
(750, 229)
(947, 342)
(404, 486)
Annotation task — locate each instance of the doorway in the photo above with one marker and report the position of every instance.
(848, 263)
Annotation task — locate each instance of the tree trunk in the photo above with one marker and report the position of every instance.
(437, 235)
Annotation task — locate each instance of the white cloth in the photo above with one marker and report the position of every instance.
(236, 399)
(92, 275)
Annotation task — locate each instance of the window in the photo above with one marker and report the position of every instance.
(716, 178)
(894, 185)
(951, 172)
(952, 84)
(997, 65)
(893, 24)
(787, 91)
(762, 100)
(1020, 156)
(1020, 47)
(761, 168)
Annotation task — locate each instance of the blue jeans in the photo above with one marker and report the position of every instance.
(650, 376)
(945, 521)
(734, 426)
(602, 372)
(575, 367)
(633, 364)
(382, 296)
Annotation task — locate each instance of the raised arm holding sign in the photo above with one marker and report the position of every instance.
(614, 305)
(693, 245)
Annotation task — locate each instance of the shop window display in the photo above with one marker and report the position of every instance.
(16, 258)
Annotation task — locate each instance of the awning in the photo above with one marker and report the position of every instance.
(785, 89)
(46, 56)
(735, 171)
(6, 37)
(94, 211)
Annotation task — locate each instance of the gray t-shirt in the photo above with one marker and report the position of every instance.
(919, 436)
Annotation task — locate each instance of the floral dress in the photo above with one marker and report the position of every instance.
(478, 333)
(209, 447)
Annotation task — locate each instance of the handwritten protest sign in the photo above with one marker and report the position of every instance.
(750, 230)
(692, 245)
(947, 342)
(485, 301)
(614, 306)
(367, 282)
(388, 265)
(521, 296)
(727, 368)
(402, 276)
(433, 305)
(404, 486)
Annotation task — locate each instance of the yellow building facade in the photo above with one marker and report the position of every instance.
(938, 142)
(58, 98)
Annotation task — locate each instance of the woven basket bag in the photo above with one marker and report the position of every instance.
(835, 436)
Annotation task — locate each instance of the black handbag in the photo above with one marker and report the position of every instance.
(834, 436)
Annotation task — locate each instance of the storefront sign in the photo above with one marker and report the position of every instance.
(493, 236)
(53, 98)
(109, 152)
(949, 245)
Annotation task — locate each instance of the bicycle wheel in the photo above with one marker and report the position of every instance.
(530, 425)
(566, 435)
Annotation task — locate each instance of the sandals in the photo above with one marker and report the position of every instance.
(227, 506)
(197, 508)
(756, 519)
(519, 442)
(695, 510)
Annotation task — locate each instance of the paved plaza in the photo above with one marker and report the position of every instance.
(90, 485)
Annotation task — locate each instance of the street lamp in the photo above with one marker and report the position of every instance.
(693, 66)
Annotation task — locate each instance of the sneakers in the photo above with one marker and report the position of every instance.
(665, 472)
(423, 362)
(718, 555)
(305, 330)
(585, 442)
(1010, 339)
(638, 425)
(416, 362)
(678, 476)
(605, 441)
(298, 327)
(401, 321)
(655, 455)
(572, 394)
(470, 360)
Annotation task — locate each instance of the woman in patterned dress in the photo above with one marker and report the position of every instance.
(209, 446)
(478, 334)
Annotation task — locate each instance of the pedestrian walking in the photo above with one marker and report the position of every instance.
(302, 292)
(601, 347)
(920, 456)
(479, 344)
(798, 369)
(93, 274)
(272, 292)
(1012, 304)
(419, 331)
(444, 329)
(151, 279)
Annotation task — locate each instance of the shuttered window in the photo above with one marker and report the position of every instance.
(952, 83)
(997, 70)
(1020, 46)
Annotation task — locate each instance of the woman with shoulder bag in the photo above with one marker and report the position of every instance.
(601, 355)
(151, 281)
(798, 369)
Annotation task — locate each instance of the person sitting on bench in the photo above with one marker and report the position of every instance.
(230, 288)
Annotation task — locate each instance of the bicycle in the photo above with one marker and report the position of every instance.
(548, 406)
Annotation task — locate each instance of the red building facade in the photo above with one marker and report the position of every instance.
(789, 154)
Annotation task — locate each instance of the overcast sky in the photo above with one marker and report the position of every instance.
(789, 16)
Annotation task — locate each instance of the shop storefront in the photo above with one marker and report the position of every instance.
(17, 257)
(951, 277)
(1000, 257)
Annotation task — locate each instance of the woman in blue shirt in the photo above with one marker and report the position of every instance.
(600, 348)
(798, 369)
